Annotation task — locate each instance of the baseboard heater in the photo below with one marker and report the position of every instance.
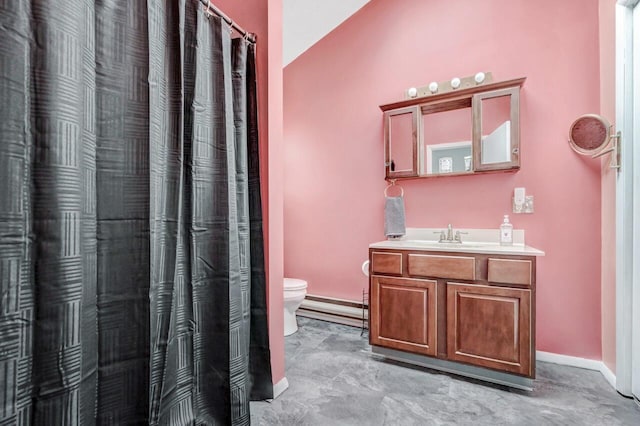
(340, 311)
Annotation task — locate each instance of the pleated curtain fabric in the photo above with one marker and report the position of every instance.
(131, 245)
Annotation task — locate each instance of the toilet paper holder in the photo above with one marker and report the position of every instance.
(365, 268)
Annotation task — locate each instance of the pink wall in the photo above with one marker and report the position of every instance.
(608, 185)
(264, 18)
(333, 157)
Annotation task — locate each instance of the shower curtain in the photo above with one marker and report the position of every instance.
(131, 253)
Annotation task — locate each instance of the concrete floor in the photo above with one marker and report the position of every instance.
(335, 380)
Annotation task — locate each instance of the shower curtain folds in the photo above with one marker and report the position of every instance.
(131, 243)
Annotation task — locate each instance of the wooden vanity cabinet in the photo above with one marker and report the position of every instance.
(475, 309)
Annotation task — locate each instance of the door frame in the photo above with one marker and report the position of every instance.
(627, 201)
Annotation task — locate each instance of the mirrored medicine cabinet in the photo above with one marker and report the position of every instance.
(463, 132)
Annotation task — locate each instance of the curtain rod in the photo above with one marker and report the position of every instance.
(211, 8)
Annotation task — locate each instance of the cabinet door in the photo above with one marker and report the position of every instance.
(496, 130)
(490, 327)
(402, 314)
(401, 128)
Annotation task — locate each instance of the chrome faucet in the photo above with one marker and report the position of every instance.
(449, 236)
(449, 233)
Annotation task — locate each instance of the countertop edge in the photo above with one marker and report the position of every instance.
(515, 250)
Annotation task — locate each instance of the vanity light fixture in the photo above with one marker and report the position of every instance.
(453, 84)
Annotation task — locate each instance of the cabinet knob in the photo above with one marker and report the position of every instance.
(515, 151)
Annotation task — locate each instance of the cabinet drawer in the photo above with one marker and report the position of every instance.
(386, 263)
(455, 267)
(510, 271)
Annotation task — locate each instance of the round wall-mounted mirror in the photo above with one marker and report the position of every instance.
(589, 134)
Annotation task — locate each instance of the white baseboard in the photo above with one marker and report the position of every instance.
(608, 375)
(280, 387)
(574, 361)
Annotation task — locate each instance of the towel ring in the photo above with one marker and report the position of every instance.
(393, 183)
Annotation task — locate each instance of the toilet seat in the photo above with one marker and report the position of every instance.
(292, 284)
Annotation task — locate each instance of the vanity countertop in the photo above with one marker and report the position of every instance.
(483, 241)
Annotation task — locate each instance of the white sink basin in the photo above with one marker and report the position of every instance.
(436, 244)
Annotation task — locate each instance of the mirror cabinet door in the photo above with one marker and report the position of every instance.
(496, 130)
(401, 136)
(446, 143)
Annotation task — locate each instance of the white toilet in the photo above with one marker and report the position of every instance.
(294, 292)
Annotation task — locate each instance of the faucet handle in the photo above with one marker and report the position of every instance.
(443, 237)
(458, 235)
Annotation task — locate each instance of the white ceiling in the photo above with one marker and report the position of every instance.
(305, 22)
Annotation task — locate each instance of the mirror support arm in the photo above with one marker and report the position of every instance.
(614, 150)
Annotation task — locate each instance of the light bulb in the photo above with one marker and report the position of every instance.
(455, 82)
(412, 92)
(479, 77)
(433, 87)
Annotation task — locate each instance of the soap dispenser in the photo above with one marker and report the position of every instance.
(506, 232)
